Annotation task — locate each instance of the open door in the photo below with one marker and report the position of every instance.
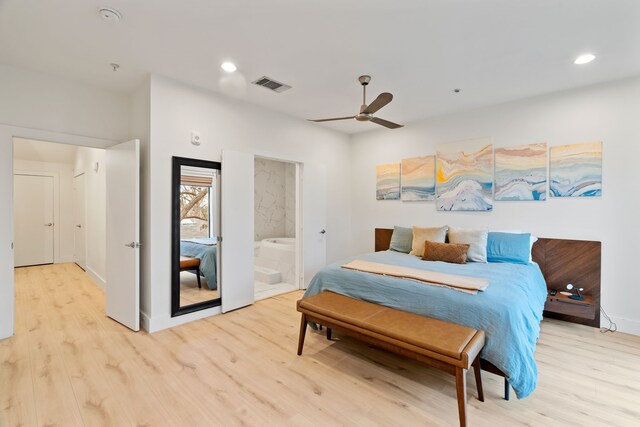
(314, 219)
(123, 233)
(236, 250)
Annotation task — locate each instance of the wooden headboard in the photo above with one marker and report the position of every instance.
(561, 262)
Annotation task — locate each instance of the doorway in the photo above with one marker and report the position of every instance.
(277, 252)
(61, 218)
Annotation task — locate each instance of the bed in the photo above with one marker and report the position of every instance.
(206, 251)
(509, 311)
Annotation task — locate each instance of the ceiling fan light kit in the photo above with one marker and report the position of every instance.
(366, 113)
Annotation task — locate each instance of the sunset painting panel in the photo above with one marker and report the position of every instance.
(576, 170)
(521, 173)
(464, 176)
(418, 178)
(388, 181)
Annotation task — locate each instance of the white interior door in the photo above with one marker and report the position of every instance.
(236, 251)
(79, 213)
(33, 220)
(314, 219)
(123, 233)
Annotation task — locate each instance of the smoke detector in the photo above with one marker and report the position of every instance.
(110, 15)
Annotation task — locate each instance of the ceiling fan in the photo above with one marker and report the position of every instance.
(367, 111)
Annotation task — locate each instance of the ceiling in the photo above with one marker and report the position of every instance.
(41, 151)
(420, 50)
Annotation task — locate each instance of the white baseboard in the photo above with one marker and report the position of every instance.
(96, 278)
(156, 324)
(628, 326)
(64, 259)
(144, 321)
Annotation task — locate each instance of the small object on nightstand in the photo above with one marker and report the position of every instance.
(578, 297)
(553, 292)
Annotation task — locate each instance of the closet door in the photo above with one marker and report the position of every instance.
(34, 222)
(314, 219)
(79, 226)
(236, 248)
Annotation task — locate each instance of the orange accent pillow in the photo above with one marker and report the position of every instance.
(447, 252)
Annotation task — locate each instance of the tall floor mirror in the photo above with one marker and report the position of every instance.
(195, 254)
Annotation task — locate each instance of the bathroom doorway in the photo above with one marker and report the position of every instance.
(277, 249)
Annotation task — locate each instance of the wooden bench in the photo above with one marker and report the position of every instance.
(446, 346)
(191, 264)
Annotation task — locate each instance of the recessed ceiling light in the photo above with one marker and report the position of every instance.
(584, 59)
(110, 15)
(229, 67)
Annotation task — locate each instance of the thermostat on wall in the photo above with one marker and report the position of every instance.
(195, 138)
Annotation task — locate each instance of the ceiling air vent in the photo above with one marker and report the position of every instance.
(271, 84)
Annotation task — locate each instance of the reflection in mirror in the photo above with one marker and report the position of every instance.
(196, 207)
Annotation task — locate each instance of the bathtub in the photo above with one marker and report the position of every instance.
(277, 253)
(280, 243)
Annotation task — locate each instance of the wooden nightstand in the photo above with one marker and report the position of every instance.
(562, 304)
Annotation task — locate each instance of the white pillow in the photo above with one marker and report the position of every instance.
(476, 239)
(532, 239)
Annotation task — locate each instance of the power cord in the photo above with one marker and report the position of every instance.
(612, 325)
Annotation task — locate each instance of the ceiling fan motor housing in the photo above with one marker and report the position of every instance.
(364, 80)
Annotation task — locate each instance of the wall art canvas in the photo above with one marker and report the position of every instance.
(576, 170)
(464, 175)
(419, 178)
(521, 172)
(388, 181)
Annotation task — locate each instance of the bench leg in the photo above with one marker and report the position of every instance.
(478, 373)
(198, 276)
(461, 389)
(329, 334)
(303, 331)
(507, 389)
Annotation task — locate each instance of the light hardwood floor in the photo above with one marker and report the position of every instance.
(70, 365)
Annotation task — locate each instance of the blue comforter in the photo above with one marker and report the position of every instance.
(207, 255)
(509, 311)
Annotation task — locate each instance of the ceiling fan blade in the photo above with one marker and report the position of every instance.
(382, 100)
(330, 120)
(386, 123)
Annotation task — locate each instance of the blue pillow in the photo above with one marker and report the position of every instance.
(401, 239)
(509, 247)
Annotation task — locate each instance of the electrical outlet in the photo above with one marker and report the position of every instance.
(195, 138)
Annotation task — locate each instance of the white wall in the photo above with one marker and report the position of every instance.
(274, 199)
(176, 110)
(63, 204)
(41, 101)
(95, 185)
(38, 106)
(606, 112)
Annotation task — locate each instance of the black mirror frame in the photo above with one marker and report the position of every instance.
(177, 163)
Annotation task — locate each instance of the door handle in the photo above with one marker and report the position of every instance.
(49, 224)
(323, 231)
(78, 225)
(133, 245)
